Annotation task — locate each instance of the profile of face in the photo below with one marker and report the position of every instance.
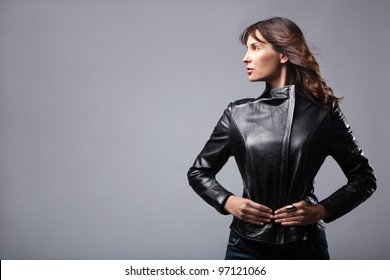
(263, 63)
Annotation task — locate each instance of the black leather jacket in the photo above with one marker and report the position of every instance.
(279, 141)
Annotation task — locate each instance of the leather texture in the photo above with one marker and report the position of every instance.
(279, 142)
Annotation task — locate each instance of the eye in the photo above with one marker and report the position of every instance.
(256, 47)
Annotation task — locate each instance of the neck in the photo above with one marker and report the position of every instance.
(283, 79)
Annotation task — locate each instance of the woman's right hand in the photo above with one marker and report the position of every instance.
(248, 210)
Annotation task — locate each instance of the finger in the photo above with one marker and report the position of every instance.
(280, 216)
(290, 223)
(287, 221)
(259, 217)
(257, 213)
(287, 216)
(256, 209)
(256, 220)
(259, 207)
(289, 208)
(281, 210)
(252, 215)
(295, 220)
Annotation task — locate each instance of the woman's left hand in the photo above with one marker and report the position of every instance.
(305, 214)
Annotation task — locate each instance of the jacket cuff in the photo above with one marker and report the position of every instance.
(328, 208)
(222, 207)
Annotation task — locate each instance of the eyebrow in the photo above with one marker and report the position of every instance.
(257, 42)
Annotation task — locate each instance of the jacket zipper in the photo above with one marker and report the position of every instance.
(284, 156)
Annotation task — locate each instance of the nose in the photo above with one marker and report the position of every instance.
(246, 58)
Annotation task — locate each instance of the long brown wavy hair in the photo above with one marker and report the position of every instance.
(287, 38)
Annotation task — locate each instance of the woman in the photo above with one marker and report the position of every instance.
(279, 141)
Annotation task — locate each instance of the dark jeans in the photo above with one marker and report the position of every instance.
(314, 248)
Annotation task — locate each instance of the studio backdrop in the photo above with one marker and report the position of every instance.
(105, 104)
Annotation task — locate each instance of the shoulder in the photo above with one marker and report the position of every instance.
(240, 102)
(334, 107)
(334, 110)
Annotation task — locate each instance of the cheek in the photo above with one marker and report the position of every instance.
(268, 63)
(272, 62)
(267, 60)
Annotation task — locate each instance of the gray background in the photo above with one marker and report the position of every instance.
(104, 105)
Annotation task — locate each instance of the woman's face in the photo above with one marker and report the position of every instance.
(263, 63)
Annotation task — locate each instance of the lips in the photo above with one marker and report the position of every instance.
(249, 70)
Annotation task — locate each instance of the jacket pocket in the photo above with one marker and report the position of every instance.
(234, 238)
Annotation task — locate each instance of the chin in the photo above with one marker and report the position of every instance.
(254, 80)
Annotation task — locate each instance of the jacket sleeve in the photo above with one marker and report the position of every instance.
(348, 154)
(212, 158)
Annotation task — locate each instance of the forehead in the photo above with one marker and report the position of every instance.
(256, 37)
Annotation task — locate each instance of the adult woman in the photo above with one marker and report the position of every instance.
(279, 141)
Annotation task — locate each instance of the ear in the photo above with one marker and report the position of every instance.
(283, 58)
